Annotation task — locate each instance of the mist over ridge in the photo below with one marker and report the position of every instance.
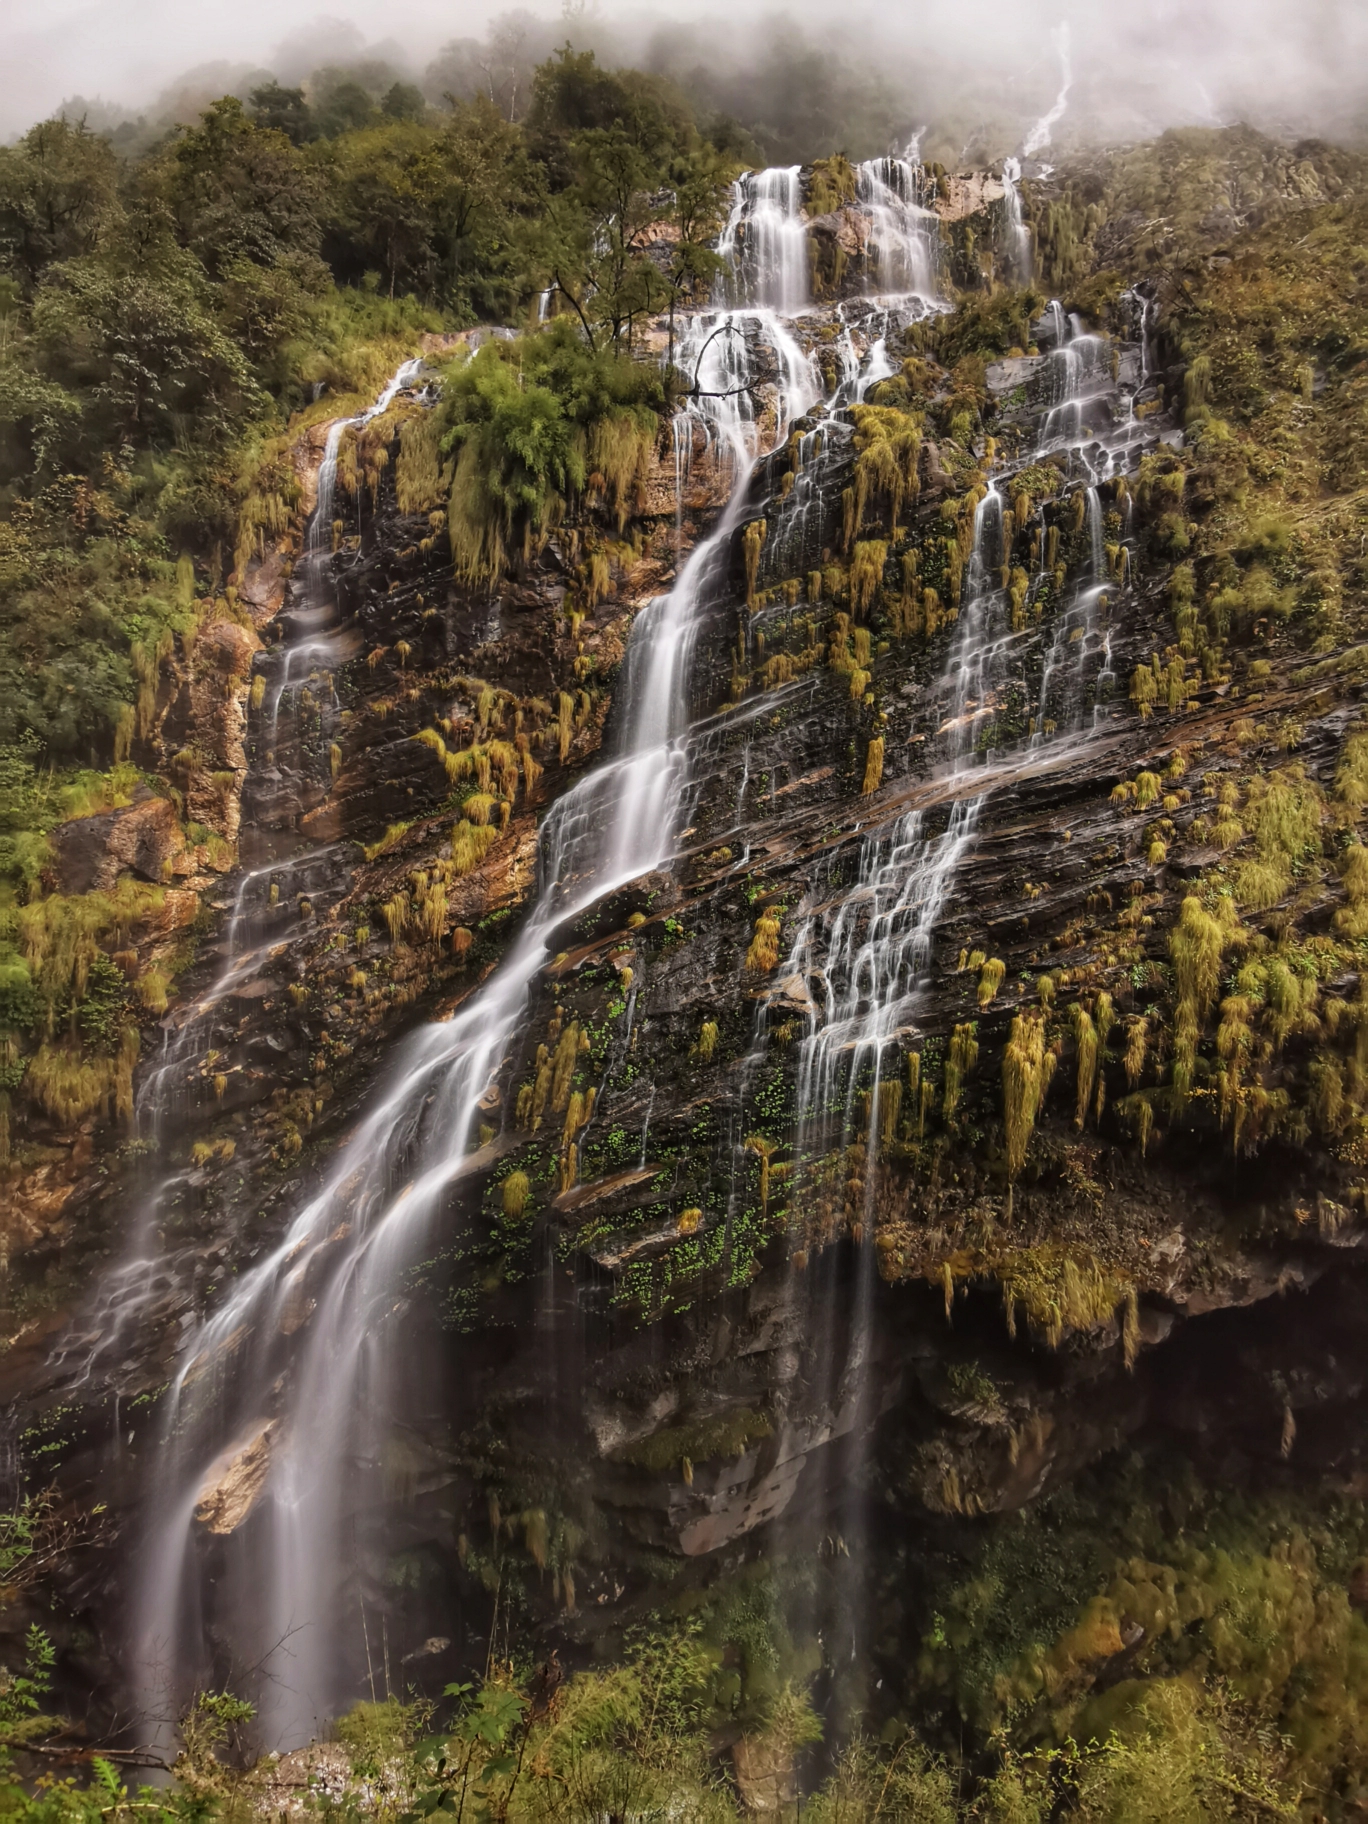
(802, 80)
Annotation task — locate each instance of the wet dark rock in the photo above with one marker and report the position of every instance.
(142, 839)
(695, 1416)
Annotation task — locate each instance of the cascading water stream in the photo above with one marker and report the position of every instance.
(980, 635)
(319, 648)
(1077, 372)
(1040, 134)
(859, 959)
(280, 1399)
(904, 237)
(793, 543)
(131, 1293)
(265, 911)
(765, 241)
(869, 953)
(1018, 234)
(1080, 640)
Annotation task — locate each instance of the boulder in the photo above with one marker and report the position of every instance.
(765, 1774)
(140, 839)
(232, 1486)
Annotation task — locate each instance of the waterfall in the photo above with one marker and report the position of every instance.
(793, 544)
(280, 1396)
(904, 237)
(1018, 234)
(1056, 323)
(1077, 373)
(714, 353)
(264, 914)
(681, 449)
(765, 241)
(1096, 555)
(279, 1402)
(872, 967)
(860, 956)
(321, 648)
(869, 954)
(979, 635)
(1082, 641)
(1142, 309)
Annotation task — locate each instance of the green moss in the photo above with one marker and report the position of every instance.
(830, 184)
(531, 426)
(726, 1436)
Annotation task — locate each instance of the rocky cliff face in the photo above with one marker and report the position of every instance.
(978, 1090)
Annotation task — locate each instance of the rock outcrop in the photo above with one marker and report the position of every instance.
(1114, 1112)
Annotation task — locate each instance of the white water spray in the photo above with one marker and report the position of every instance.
(1019, 246)
(765, 241)
(904, 238)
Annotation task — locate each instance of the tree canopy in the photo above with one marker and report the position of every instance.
(162, 315)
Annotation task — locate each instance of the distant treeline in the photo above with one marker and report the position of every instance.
(777, 96)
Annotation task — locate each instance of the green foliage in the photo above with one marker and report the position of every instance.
(573, 95)
(831, 184)
(989, 325)
(1197, 943)
(240, 190)
(374, 1733)
(1246, 1664)
(534, 424)
(445, 213)
(622, 1742)
(1027, 1067)
(22, 1693)
(282, 110)
(726, 1436)
(131, 333)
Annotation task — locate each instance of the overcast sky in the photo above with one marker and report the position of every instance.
(1303, 63)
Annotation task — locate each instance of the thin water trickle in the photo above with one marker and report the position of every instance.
(262, 916)
(1040, 134)
(863, 960)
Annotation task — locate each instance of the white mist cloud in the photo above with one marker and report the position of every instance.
(1299, 65)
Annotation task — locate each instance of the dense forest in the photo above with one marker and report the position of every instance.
(764, 727)
(167, 318)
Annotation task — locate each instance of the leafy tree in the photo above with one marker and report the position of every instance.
(240, 191)
(572, 95)
(131, 332)
(404, 101)
(37, 418)
(58, 193)
(385, 186)
(615, 180)
(284, 111)
(267, 310)
(346, 108)
(440, 212)
(493, 194)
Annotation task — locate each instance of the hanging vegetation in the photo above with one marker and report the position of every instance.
(531, 426)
